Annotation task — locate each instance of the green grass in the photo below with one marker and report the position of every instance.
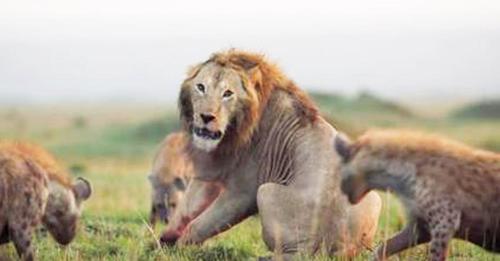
(116, 155)
(489, 109)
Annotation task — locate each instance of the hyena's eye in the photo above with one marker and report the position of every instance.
(200, 87)
(227, 94)
(179, 183)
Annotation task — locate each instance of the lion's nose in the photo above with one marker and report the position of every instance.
(206, 118)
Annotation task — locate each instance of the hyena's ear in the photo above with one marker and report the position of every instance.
(82, 189)
(343, 146)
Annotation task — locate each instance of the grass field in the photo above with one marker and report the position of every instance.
(113, 145)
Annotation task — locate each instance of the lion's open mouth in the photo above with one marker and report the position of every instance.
(207, 134)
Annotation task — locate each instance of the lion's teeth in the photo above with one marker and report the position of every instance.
(207, 134)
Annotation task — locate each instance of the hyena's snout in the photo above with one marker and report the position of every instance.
(346, 187)
(353, 188)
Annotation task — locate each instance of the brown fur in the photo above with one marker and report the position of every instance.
(34, 190)
(405, 142)
(41, 157)
(23, 197)
(449, 189)
(172, 159)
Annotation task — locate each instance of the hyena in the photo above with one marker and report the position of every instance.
(172, 169)
(35, 190)
(448, 189)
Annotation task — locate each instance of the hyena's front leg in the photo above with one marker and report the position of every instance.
(21, 236)
(199, 195)
(443, 226)
(158, 206)
(230, 208)
(4, 233)
(413, 234)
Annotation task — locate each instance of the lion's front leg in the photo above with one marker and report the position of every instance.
(230, 208)
(199, 195)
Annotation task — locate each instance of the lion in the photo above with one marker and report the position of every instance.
(172, 169)
(34, 189)
(259, 145)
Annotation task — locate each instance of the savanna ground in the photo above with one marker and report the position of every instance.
(113, 145)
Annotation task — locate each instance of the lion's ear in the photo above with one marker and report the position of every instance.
(193, 71)
(185, 106)
(343, 146)
(244, 62)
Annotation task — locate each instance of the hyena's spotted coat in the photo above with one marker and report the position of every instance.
(34, 190)
(449, 190)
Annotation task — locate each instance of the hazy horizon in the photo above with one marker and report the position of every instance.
(93, 51)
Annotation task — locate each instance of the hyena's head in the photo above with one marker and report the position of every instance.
(376, 160)
(64, 207)
(356, 168)
(166, 197)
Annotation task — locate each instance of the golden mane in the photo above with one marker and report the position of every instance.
(40, 156)
(260, 78)
(407, 141)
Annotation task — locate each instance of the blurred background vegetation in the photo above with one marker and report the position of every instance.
(113, 145)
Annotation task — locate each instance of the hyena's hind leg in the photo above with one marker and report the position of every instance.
(363, 224)
(285, 226)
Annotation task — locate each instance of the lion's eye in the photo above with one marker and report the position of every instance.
(200, 87)
(227, 94)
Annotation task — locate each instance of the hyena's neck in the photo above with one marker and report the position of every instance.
(397, 177)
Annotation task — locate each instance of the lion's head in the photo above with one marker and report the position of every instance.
(222, 98)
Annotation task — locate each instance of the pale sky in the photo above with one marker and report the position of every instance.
(138, 51)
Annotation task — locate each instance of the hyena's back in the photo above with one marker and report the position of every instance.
(471, 179)
(23, 194)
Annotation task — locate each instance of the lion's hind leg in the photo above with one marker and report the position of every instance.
(286, 224)
(363, 223)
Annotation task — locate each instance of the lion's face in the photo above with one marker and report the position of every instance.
(217, 96)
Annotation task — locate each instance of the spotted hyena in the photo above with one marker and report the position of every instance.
(33, 191)
(172, 169)
(449, 190)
